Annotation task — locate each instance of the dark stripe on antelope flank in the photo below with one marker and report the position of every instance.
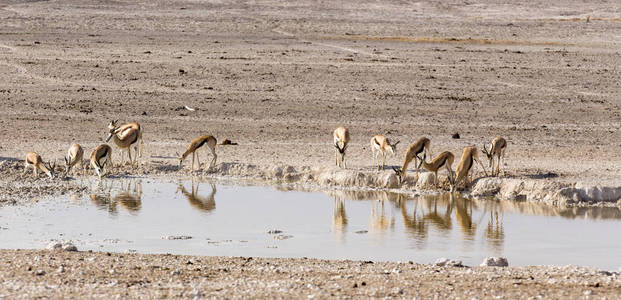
(201, 143)
(29, 161)
(443, 162)
(376, 142)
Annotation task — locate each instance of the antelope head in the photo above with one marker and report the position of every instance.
(180, 157)
(398, 172)
(488, 154)
(50, 169)
(393, 147)
(112, 129)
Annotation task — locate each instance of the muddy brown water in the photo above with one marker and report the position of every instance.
(203, 218)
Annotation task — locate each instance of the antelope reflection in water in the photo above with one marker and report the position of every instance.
(339, 218)
(128, 196)
(206, 204)
(438, 211)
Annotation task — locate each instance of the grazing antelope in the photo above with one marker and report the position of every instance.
(100, 157)
(75, 155)
(341, 139)
(196, 143)
(34, 160)
(422, 145)
(380, 145)
(497, 149)
(125, 136)
(465, 164)
(445, 158)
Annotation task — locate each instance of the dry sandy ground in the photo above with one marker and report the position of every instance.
(44, 274)
(277, 77)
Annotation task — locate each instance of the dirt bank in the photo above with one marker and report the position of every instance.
(35, 273)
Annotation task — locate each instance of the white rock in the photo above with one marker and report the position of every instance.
(495, 262)
(54, 246)
(69, 247)
(443, 261)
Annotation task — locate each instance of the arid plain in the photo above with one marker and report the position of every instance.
(278, 77)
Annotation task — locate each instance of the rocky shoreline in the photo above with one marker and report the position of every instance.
(62, 274)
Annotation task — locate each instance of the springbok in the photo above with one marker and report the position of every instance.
(422, 145)
(468, 157)
(125, 136)
(100, 157)
(34, 160)
(196, 143)
(497, 149)
(341, 139)
(380, 145)
(445, 158)
(75, 155)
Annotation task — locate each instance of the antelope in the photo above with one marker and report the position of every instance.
(446, 159)
(465, 164)
(100, 157)
(497, 149)
(75, 155)
(125, 136)
(34, 160)
(380, 144)
(196, 143)
(341, 139)
(422, 145)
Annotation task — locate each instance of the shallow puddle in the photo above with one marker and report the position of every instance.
(150, 216)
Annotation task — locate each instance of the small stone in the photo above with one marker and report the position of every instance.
(282, 237)
(274, 231)
(60, 269)
(175, 272)
(176, 237)
(587, 292)
(495, 262)
(40, 273)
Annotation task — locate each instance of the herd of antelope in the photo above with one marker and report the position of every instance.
(127, 135)
(380, 145)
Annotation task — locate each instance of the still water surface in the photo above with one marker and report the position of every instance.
(145, 216)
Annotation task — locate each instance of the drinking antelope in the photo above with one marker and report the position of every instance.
(125, 136)
(380, 145)
(469, 155)
(196, 143)
(100, 157)
(75, 155)
(34, 160)
(497, 149)
(341, 139)
(422, 145)
(445, 158)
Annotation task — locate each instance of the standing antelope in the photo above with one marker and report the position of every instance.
(445, 158)
(125, 136)
(100, 157)
(465, 164)
(497, 149)
(75, 155)
(341, 139)
(422, 145)
(34, 160)
(380, 144)
(196, 143)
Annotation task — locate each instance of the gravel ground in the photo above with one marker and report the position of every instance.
(278, 77)
(59, 274)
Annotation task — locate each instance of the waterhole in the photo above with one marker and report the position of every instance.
(220, 219)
